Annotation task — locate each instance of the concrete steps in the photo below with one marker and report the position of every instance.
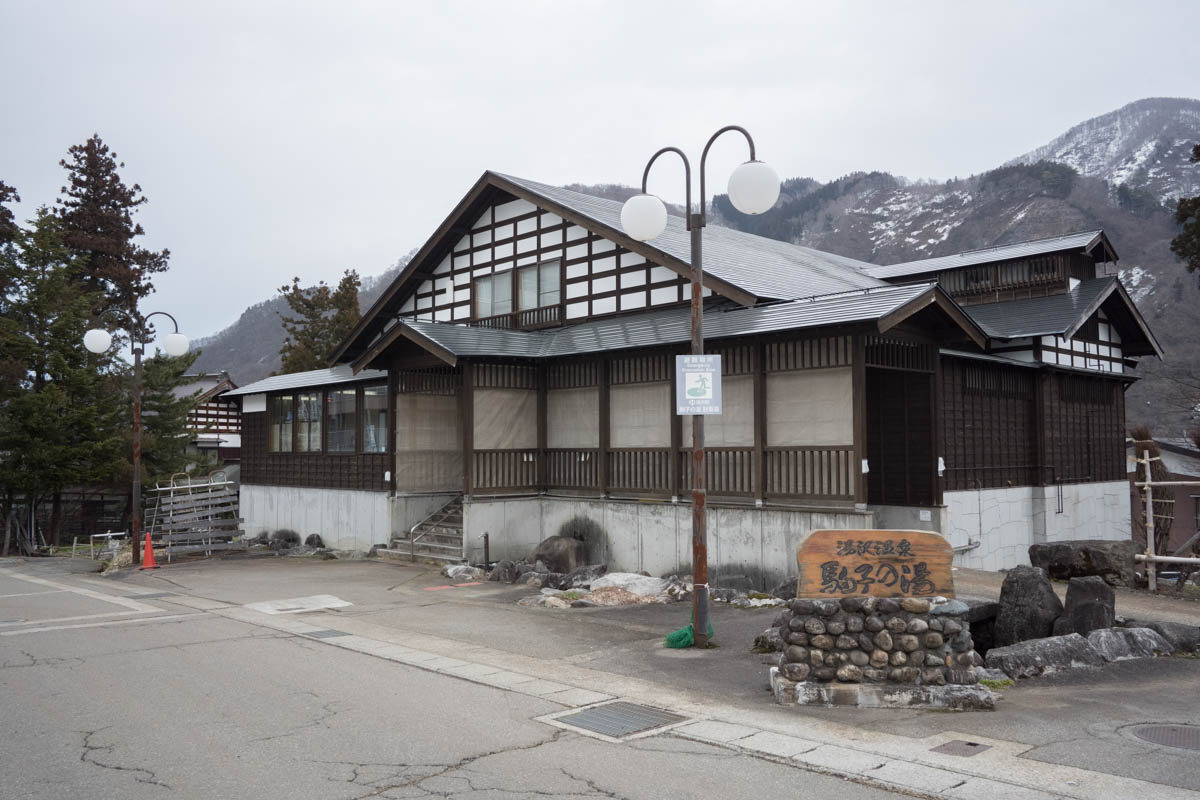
(438, 538)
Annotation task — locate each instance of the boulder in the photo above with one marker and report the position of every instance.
(504, 572)
(561, 554)
(631, 582)
(1111, 560)
(583, 576)
(1028, 607)
(1122, 644)
(1184, 638)
(1044, 656)
(770, 640)
(1089, 607)
(462, 572)
(314, 540)
(785, 590)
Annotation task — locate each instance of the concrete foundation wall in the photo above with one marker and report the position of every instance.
(1006, 521)
(632, 536)
(346, 520)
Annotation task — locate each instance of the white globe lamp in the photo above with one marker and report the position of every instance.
(175, 344)
(644, 217)
(97, 340)
(753, 187)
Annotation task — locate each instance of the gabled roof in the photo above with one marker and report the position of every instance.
(317, 377)
(1064, 314)
(208, 384)
(1093, 243)
(740, 266)
(886, 306)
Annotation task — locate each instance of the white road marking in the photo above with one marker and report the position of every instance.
(101, 624)
(19, 623)
(297, 604)
(104, 598)
(30, 594)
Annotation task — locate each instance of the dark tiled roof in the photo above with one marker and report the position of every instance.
(1041, 316)
(1084, 241)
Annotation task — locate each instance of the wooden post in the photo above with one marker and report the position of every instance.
(760, 424)
(1150, 570)
(603, 438)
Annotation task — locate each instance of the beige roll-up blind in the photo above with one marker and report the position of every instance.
(640, 415)
(505, 419)
(734, 426)
(812, 407)
(573, 417)
(428, 443)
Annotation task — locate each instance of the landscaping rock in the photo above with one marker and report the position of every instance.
(561, 554)
(1122, 644)
(583, 576)
(504, 572)
(785, 590)
(1028, 607)
(950, 608)
(314, 540)
(1089, 607)
(1111, 560)
(462, 572)
(631, 582)
(612, 596)
(1043, 656)
(770, 640)
(1184, 638)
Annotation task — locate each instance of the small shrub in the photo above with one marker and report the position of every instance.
(995, 685)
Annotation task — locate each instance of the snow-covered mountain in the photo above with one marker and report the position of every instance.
(1144, 145)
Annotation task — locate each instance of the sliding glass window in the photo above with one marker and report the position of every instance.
(375, 419)
(340, 415)
(308, 422)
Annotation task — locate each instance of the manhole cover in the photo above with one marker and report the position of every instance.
(960, 747)
(326, 634)
(620, 719)
(1183, 736)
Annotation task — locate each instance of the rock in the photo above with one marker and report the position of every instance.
(917, 625)
(824, 673)
(1111, 560)
(531, 600)
(535, 579)
(852, 604)
(879, 658)
(961, 677)
(314, 540)
(1043, 656)
(796, 623)
(962, 642)
(874, 674)
(612, 596)
(284, 539)
(813, 626)
(850, 674)
(796, 637)
(897, 625)
(835, 626)
(554, 601)
(874, 623)
(933, 676)
(1089, 607)
(583, 576)
(950, 608)
(582, 602)
(985, 674)
(826, 608)
(845, 642)
(1028, 607)
(462, 572)
(631, 582)
(816, 657)
(1184, 638)
(785, 590)
(504, 572)
(932, 640)
(782, 619)
(1122, 644)
(854, 624)
(798, 655)
(524, 567)
(883, 640)
(561, 554)
(904, 675)
(950, 627)
(907, 642)
(898, 659)
(915, 605)
(937, 624)
(822, 640)
(802, 607)
(887, 605)
(866, 641)
(933, 660)
(795, 672)
(859, 659)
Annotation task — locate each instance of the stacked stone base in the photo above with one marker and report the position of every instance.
(881, 695)
(869, 640)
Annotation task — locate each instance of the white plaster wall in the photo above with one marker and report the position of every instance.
(346, 520)
(760, 544)
(1006, 521)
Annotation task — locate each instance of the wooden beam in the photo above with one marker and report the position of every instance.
(859, 400)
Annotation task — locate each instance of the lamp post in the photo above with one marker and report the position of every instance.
(753, 189)
(98, 340)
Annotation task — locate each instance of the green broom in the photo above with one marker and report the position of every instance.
(685, 637)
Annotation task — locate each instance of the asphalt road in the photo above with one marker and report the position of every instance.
(108, 693)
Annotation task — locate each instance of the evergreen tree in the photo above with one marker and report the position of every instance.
(323, 318)
(96, 209)
(165, 434)
(11, 365)
(1187, 244)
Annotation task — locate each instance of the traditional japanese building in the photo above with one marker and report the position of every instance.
(521, 368)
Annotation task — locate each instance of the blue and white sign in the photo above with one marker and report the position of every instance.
(697, 385)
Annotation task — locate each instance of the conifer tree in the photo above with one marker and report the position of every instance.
(323, 317)
(1187, 214)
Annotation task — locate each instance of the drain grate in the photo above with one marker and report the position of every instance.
(620, 719)
(326, 634)
(960, 747)
(151, 596)
(1186, 737)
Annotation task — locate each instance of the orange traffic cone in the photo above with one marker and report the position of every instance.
(148, 555)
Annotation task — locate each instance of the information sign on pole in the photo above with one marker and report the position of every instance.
(698, 384)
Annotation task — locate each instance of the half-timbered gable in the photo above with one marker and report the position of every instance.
(525, 356)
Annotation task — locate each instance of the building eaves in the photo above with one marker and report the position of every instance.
(1053, 315)
(1085, 241)
(300, 380)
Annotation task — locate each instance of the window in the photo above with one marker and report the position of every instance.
(340, 407)
(538, 285)
(280, 424)
(308, 422)
(375, 419)
(493, 295)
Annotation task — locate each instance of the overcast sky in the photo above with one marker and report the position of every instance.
(289, 138)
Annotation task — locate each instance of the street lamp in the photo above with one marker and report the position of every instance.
(753, 189)
(175, 344)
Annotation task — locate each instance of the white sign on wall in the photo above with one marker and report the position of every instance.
(697, 385)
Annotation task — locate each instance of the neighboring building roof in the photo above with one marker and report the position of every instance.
(317, 377)
(1086, 242)
(209, 384)
(885, 304)
(1063, 315)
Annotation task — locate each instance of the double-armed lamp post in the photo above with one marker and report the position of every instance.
(98, 340)
(753, 189)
